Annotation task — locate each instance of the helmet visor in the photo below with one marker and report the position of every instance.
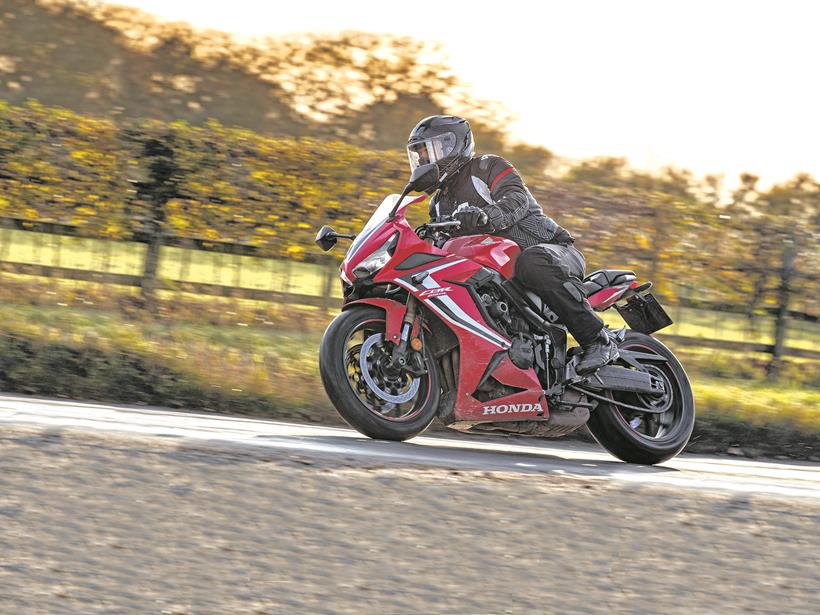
(431, 150)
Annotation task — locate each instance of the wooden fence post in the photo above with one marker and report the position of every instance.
(656, 243)
(216, 269)
(5, 248)
(237, 274)
(786, 275)
(36, 246)
(151, 265)
(185, 260)
(56, 259)
(57, 253)
(106, 255)
(331, 278)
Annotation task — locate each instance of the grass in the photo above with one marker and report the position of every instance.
(758, 403)
(267, 361)
(279, 361)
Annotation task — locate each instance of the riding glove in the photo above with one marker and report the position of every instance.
(471, 218)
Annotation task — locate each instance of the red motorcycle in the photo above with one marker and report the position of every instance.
(434, 326)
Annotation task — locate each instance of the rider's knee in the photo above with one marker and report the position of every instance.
(539, 265)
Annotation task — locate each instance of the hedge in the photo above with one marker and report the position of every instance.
(228, 184)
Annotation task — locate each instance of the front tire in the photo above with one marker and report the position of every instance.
(358, 385)
(647, 438)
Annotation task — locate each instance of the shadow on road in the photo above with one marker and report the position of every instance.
(457, 457)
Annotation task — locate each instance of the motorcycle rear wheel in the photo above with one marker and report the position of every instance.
(647, 438)
(357, 387)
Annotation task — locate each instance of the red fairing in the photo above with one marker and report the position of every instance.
(493, 252)
(394, 314)
(478, 342)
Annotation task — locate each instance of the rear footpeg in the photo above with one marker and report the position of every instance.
(613, 378)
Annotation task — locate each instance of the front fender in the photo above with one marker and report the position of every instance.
(394, 314)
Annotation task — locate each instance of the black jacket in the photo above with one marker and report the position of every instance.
(491, 183)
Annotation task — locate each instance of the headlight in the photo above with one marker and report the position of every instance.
(378, 259)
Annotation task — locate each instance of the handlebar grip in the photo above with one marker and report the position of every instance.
(444, 224)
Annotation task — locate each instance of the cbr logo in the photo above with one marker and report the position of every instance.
(505, 408)
(434, 292)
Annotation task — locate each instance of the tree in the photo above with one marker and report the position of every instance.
(159, 187)
(778, 230)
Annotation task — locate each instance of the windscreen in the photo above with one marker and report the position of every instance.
(375, 222)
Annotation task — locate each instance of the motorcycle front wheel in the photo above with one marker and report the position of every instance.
(369, 393)
(647, 437)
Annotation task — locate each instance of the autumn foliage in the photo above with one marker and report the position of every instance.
(229, 184)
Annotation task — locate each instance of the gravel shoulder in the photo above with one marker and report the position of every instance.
(95, 523)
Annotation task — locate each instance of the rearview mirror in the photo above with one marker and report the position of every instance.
(326, 238)
(423, 177)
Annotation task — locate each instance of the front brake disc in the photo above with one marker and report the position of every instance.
(378, 389)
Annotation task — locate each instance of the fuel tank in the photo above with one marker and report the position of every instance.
(493, 252)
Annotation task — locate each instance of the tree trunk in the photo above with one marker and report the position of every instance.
(761, 279)
(656, 245)
(163, 177)
(150, 268)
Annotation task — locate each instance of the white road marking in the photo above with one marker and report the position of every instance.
(699, 472)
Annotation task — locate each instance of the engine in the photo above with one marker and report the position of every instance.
(505, 318)
(528, 349)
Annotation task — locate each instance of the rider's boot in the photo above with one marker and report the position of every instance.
(597, 353)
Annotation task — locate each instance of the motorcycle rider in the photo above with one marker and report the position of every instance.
(487, 195)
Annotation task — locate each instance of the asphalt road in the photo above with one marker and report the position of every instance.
(518, 455)
(118, 510)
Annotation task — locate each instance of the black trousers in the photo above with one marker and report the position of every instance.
(555, 273)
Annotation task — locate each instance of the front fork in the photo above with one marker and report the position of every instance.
(407, 353)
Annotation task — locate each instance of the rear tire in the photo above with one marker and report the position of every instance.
(355, 400)
(647, 438)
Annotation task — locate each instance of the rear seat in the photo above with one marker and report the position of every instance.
(604, 278)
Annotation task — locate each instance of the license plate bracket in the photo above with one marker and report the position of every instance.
(644, 314)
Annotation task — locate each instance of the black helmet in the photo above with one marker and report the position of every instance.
(444, 139)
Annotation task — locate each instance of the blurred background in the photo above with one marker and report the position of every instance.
(164, 168)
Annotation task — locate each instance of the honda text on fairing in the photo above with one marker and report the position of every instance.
(434, 326)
